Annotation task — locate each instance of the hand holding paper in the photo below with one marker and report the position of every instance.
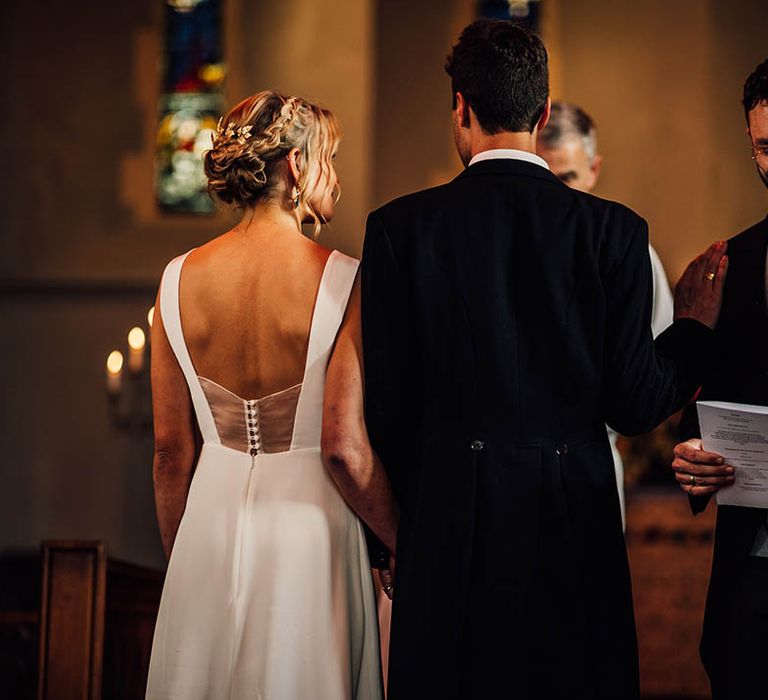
(699, 472)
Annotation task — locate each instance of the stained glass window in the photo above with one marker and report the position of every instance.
(193, 77)
(524, 11)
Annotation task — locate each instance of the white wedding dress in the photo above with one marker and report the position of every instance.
(268, 594)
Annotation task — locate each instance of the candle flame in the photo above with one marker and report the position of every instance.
(136, 338)
(151, 316)
(115, 362)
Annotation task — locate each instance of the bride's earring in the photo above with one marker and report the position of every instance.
(296, 197)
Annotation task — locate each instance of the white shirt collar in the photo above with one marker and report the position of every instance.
(511, 153)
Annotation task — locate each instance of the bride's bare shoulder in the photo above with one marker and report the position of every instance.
(319, 252)
(208, 252)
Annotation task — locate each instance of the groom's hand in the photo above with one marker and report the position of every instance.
(387, 577)
(699, 293)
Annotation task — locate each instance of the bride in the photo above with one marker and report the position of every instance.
(268, 592)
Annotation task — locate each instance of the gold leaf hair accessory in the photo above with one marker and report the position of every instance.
(232, 131)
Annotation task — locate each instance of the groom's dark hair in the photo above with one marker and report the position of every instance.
(756, 88)
(501, 70)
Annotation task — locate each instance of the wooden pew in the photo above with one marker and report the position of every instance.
(97, 618)
(72, 621)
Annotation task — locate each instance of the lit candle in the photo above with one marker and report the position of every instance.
(136, 342)
(114, 372)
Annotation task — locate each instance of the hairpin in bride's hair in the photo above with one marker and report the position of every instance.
(232, 131)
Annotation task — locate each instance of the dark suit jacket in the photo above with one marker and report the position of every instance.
(739, 373)
(506, 319)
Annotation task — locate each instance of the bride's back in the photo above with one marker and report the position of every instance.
(246, 309)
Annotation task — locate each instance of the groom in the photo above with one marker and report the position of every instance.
(506, 319)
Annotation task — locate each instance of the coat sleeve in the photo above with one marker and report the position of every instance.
(385, 314)
(645, 382)
(384, 320)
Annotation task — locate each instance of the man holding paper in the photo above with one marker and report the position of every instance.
(734, 645)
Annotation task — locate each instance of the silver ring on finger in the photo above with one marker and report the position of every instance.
(693, 480)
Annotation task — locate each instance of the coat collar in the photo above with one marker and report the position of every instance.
(508, 166)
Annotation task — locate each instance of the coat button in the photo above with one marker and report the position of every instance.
(476, 445)
(562, 449)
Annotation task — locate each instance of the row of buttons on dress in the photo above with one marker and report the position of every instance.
(254, 437)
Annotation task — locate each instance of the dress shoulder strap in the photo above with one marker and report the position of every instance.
(171, 315)
(330, 306)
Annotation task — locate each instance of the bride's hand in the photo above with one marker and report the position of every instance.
(699, 293)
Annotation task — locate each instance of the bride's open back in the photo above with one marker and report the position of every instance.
(246, 307)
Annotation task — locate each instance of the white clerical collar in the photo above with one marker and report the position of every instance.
(510, 153)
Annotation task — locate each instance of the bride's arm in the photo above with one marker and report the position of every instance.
(347, 452)
(175, 435)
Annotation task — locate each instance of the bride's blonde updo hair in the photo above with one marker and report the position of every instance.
(245, 164)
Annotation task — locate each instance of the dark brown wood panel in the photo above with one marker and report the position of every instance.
(72, 621)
